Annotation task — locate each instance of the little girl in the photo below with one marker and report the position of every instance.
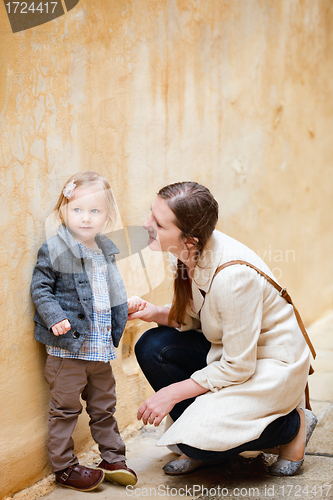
(81, 312)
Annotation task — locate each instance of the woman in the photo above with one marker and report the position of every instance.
(228, 360)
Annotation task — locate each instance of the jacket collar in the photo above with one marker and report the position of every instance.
(103, 242)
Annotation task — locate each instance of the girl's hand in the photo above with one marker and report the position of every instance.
(135, 304)
(62, 327)
(147, 313)
(154, 409)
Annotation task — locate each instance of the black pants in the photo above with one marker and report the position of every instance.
(167, 356)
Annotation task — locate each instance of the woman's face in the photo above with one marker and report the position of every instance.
(164, 235)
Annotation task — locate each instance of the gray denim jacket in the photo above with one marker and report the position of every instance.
(61, 288)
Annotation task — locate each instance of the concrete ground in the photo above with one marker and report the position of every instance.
(243, 477)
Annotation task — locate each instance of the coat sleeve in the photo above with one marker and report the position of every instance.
(42, 289)
(236, 299)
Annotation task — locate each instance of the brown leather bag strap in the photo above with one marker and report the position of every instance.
(282, 291)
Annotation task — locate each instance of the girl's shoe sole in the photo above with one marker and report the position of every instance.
(121, 476)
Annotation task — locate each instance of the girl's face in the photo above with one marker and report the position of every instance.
(163, 233)
(86, 215)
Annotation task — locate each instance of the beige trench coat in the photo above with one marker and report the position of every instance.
(258, 364)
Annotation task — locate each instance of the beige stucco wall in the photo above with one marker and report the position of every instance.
(236, 95)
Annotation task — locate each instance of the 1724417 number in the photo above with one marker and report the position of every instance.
(23, 8)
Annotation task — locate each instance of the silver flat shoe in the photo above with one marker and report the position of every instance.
(182, 466)
(284, 467)
(185, 465)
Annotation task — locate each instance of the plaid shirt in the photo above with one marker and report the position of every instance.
(98, 345)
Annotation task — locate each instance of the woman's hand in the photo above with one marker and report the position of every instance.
(135, 304)
(61, 328)
(149, 313)
(154, 409)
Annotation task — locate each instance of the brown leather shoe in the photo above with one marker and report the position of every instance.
(118, 473)
(80, 478)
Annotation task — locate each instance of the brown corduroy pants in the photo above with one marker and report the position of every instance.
(94, 382)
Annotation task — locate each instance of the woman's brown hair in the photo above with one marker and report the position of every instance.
(196, 215)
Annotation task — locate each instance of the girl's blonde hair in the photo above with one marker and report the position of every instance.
(86, 179)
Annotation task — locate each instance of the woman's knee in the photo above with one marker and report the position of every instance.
(143, 346)
(151, 343)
